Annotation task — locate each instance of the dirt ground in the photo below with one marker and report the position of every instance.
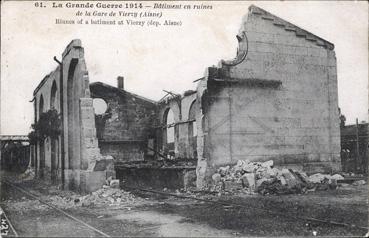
(158, 215)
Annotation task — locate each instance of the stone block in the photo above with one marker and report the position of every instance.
(72, 179)
(232, 185)
(201, 173)
(332, 62)
(307, 122)
(313, 52)
(332, 70)
(71, 54)
(317, 167)
(248, 180)
(291, 159)
(91, 142)
(258, 36)
(264, 47)
(335, 167)
(291, 180)
(298, 166)
(93, 153)
(86, 102)
(89, 132)
(87, 114)
(92, 180)
(102, 165)
(114, 183)
(110, 173)
(189, 179)
(216, 178)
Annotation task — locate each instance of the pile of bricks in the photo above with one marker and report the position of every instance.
(108, 196)
(263, 178)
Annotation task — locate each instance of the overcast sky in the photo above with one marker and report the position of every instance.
(153, 59)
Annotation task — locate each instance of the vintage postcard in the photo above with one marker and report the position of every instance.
(184, 118)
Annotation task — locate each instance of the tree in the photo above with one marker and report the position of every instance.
(48, 125)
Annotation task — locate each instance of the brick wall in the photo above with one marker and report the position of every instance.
(127, 124)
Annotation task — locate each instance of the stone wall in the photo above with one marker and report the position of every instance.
(47, 96)
(276, 100)
(71, 159)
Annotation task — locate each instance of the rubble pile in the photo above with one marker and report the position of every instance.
(160, 163)
(359, 182)
(263, 178)
(108, 196)
(104, 196)
(25, 205)
(63, 202)
(29, 174)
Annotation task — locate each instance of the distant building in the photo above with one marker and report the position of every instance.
(14, 153)
(354, 148)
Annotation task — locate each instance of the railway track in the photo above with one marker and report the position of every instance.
(209, 201)
(232, 204)
(64, 213)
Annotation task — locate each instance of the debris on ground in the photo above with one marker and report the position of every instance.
(108, 196)
(29, 174)
(114, 183)
(25, 206)
(64, 199)
(359, 182)
(320, 178)
(63, 202)
(263, 178)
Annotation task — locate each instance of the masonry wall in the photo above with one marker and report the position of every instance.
(186, 141)
(48, 162)
(123, 131)
(71, 159)
(297, 123)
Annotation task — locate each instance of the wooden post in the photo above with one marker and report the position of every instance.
(357, 160)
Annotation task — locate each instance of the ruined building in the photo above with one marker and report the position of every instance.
(73, 158)
(276, 100)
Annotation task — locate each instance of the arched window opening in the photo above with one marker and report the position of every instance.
(42, 143)
(168, 132)
(54, 142)
(41, 106)
(100, 106)
(53, 96)
(170, 127)
(192, 130)
(71, 115)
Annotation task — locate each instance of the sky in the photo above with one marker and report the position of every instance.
(169, 58)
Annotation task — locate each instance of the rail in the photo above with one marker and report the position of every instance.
(227, 203)
(55, 208)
